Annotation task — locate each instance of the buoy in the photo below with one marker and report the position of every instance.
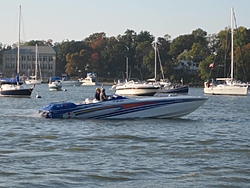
(38, 96)
(64, 89)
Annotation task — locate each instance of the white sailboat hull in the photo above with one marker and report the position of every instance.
(226, 90)
(32, 82)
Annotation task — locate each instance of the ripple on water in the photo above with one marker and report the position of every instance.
(208, 148)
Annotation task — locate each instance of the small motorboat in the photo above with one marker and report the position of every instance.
(90, 80)
(55, 84)
(135, 87)
(179, 89)
(67, 82)
(120, 107)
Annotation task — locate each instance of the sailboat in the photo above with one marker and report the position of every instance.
(165, 84)
(133, 86)
(227, 86)
(12, 87)
(33, 79)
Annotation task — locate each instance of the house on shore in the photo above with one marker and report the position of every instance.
(46, 61)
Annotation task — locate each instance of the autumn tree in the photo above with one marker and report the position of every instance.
(97, 42)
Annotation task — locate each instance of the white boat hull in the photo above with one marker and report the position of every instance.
(124, 108)
(55, 86)
(33, 82)
(90, 84)
(226, 90)
(136, 91)
(134, 88)
(71, 83)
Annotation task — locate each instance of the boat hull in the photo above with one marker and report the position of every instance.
(71, 83)
(33, 82)
(124, 108)
(55, 87)
(90, 84)
(226, 90)
(15, 91)
(136, 91)
(182, 89)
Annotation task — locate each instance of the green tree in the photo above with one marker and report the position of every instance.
(130, 45)
(114, 58)
(67, 47)
(206, 67)
(181, 44)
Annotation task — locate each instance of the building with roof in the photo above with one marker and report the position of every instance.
(46, 61)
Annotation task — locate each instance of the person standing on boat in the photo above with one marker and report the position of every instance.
(103, 96)
(97, 94)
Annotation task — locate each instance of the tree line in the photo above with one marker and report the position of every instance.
(107, 56)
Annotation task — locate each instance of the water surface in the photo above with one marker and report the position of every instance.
(208, 148)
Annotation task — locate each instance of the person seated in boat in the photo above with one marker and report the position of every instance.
(103, 96)
(97, 94)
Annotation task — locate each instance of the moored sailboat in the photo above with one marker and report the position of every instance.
(226, 86)
(33, 79)
(165, 85)
(13, 87)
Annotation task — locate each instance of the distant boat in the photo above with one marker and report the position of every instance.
(226, 86)
(90, 80)
(55, 84)
(12, 87)
(135, 87)
(33, 79)
(178, 89)
(165, 85)
(66, 82)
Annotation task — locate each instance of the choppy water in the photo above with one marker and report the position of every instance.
(208, 148)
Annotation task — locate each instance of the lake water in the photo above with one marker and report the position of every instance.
(208, 148)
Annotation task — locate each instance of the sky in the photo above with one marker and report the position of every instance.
(78, 19)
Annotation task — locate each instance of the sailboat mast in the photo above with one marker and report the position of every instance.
(18, 44)
(36, 65)
(127, 68)
(155, 59)
(232, 43)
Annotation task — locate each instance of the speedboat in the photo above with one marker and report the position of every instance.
(120, 107)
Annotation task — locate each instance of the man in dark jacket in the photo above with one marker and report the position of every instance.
(103, 96)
